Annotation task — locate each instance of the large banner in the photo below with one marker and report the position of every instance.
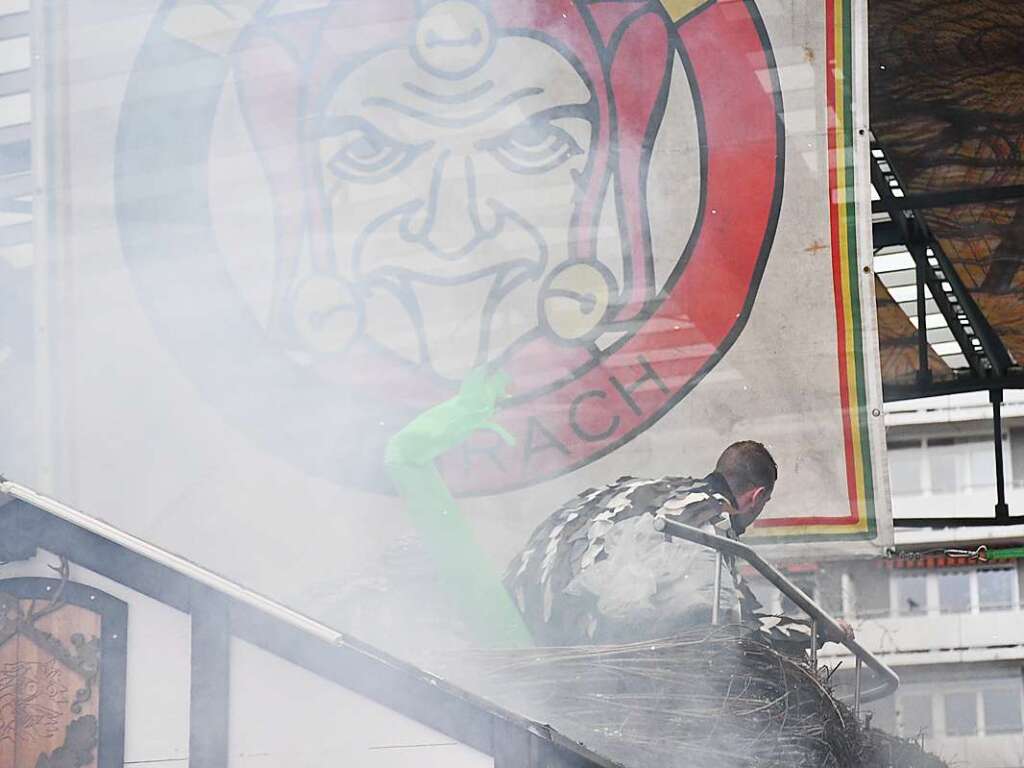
(271, 234)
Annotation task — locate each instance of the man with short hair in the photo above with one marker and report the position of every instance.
(749, 472)
(596, 571)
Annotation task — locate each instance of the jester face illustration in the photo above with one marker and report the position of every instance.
(457, 163)
(377, 198)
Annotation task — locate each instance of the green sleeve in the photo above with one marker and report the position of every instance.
(467, 573)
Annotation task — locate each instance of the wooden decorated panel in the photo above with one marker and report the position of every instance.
(51, 677)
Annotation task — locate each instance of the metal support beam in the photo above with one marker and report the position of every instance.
(950, 312)
(912, 239)
(717, 589)
(894, 392)
(210, 694)
(888, 233)
(956, 522)
(998, 358)
(955, 197)
(996, 397)
(814, 645)
(951, 296)
(924, 373)
(856, 688)
(511, 746)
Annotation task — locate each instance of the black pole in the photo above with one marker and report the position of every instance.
(924, 374)
(996, 397)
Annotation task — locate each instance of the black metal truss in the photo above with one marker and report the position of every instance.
(991, 366)
(955, 197)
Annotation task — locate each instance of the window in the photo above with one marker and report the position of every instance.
(1002, 710)
(995, 588)
(982, 459)
(905, 468)
(961, 714)
(871, 591)
(915, 715)
(955, 592)
(942, 464)
(1015, 459)
(911, 594)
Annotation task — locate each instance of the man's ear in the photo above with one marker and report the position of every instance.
(745, 499)
(751, 497)
(757, 494)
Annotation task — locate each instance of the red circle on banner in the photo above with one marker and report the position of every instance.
(314, 378)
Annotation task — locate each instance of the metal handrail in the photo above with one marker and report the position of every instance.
(171, 561)
(311, 626)
(890, 680)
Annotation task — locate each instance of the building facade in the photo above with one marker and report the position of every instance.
(951, 625)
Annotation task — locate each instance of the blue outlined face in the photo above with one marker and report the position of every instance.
(449, 184)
